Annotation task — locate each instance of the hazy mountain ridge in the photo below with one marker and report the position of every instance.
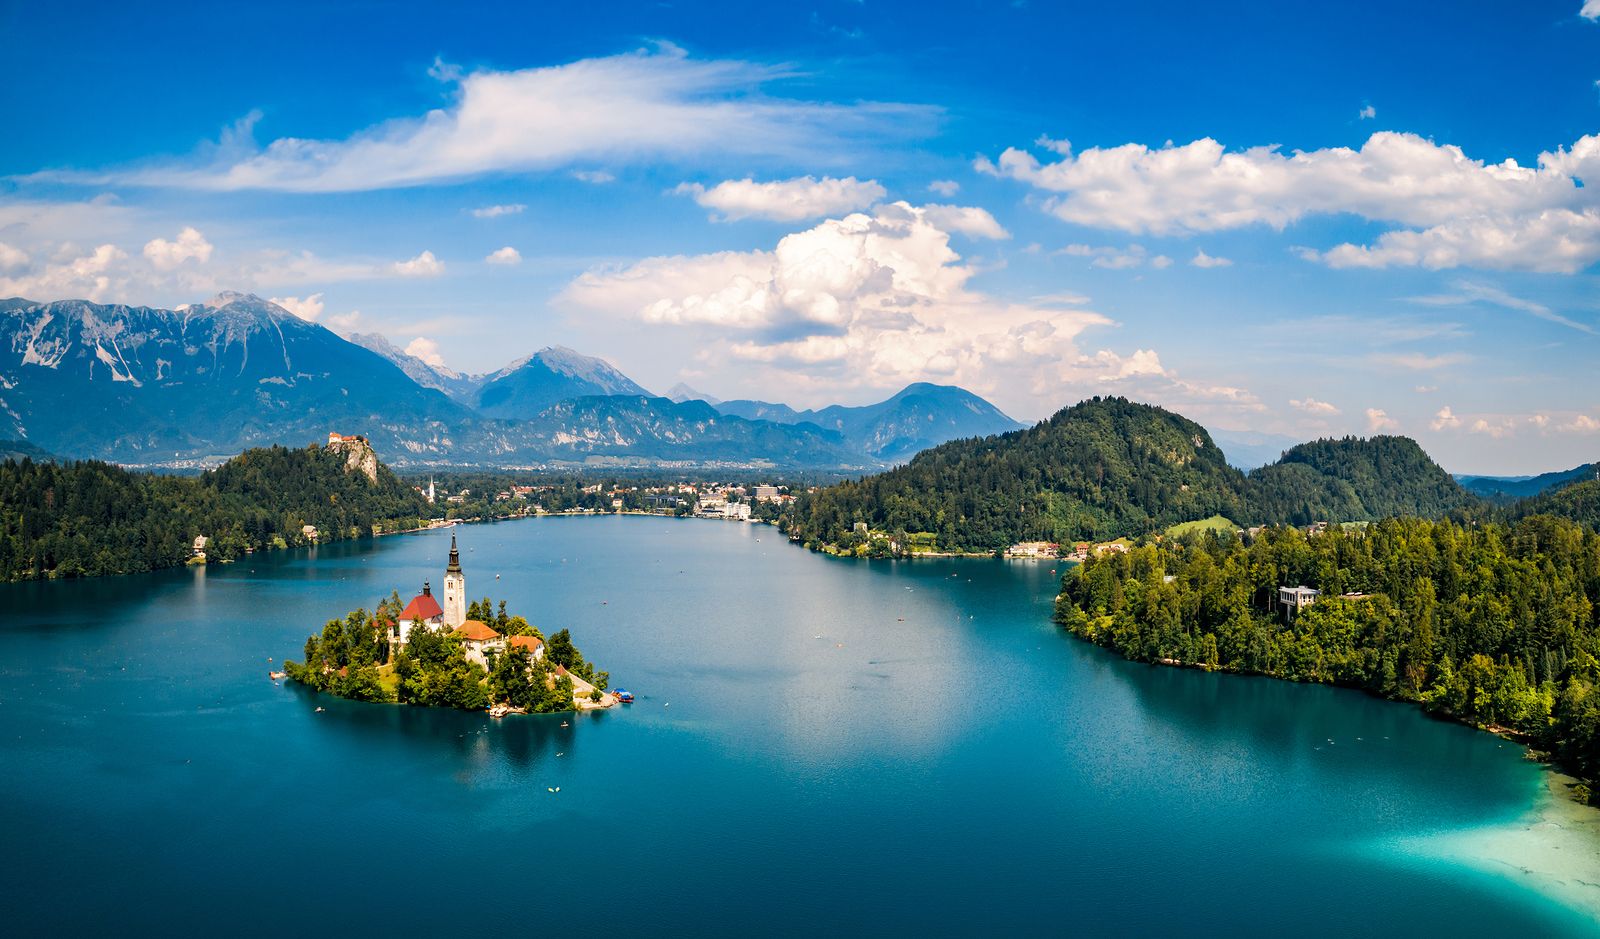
(919, 416)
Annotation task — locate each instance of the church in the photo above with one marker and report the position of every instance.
(426, 611)
(449, 614)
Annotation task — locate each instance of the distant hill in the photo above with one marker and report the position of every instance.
(1507, 488)
(660, 429)
(1248, 449)
(1579, 502)
(528, 386)
(89, 518)
(1353, 479)
(920, 416)
(1099, 469)
(682, 392)
(1108, 468)
(20, 449)
(451, 382)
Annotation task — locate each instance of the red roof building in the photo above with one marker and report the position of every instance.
(423, 607)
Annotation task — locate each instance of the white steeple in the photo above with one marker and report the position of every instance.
(455, 590)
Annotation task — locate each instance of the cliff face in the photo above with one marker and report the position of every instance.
(358, 457)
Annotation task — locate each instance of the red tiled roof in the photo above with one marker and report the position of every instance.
(421, 607)
(531, 643)
(476, 631)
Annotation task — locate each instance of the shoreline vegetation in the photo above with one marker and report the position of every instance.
(1487, 625)
(353, 658)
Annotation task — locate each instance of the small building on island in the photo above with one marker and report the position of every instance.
(533, 644)
(478, 639)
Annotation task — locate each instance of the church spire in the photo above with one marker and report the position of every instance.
(455, 558)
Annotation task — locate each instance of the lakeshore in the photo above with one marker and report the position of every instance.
(142, 711)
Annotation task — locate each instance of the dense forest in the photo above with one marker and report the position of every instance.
(351, 658)
(1109, 468)
(1491, 624)
(77, 519)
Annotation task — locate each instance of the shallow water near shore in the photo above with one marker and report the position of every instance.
(817, 744)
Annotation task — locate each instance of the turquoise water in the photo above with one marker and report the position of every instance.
(941, 760)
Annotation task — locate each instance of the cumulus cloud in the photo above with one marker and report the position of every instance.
(308, 308)
(1590, 10)
(167, 255)
(785, 200)
(1201, 259)
(423, 265)
(506, 255)
(425, 349)
(651, 104)
(12, 259)
(1446, 418)
(877, 300)
(1378, 421)
(495, 211)
(1313, 406)
(967, 220)
(45, 260)
(944, 187)
(1367, 113)
(1455, 211)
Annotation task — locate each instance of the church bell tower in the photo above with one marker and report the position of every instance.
(455, 590)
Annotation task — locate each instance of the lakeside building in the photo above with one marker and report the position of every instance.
(425, 610)
(1295, 599)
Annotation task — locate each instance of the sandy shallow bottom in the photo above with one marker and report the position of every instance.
(1554, 849)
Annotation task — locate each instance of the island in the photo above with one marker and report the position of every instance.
(446, 652)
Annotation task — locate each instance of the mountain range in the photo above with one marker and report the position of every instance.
(149, 386)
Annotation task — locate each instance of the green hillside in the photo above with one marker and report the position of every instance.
(1109, 468)
(89, 518)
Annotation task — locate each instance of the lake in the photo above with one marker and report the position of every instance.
(818, 745)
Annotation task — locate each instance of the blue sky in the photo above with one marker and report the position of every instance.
(822, 203)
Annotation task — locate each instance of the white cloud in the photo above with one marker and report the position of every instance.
(308, 308)
(874, 301)
(965, 219)
(944, 187)
(423, 265)
(1420, 361)
(594, 177)
(1378, 421)
(1590, 10)
(1313, 406)
(1496, 429)
(425, 349)
(651, 104)
(495, 211)
(94, 276)
(1455, 210)
(1466, 291)
(1367, 113)
(12, 259)
(1445, 418)
(506, 255)
(1201, 259)
(786, 200)
(167, 255)
(1581, 423)
(1115, 259)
